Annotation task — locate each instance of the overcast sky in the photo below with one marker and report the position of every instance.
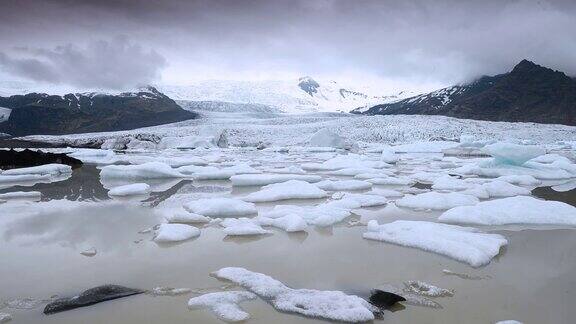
(119, 43)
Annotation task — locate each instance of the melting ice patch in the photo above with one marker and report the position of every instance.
(224, 304)
(293, 189)
(513, 210)
(437, 200)
(220, 207)
(330, 305)
(150, 170)
(464, 244)
(130, 190)
(266, 179)
(175, 233)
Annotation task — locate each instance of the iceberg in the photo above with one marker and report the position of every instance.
(464, 244)
(513, 210)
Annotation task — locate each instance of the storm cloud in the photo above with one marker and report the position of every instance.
(417, 41)
(115, 64)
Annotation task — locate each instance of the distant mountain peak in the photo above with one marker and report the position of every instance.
(309, 85)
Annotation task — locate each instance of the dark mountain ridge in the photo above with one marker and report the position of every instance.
(40, 113)
(528, 93)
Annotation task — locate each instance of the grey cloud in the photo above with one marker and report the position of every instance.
(444, 40)
(114, 64)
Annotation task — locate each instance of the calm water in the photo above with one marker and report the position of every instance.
(533, 280)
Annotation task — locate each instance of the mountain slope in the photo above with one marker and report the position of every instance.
(40, 113)
(528, 93)
(292, 96)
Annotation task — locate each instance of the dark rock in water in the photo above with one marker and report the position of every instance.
(384, 299)
(90, 297)
(27, 158)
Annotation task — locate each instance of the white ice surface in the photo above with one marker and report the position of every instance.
(244, 180)
(436, 200)
(220, 207)
(343, 185)
(175, 233)
(292, 189)
(130, 190)
(52, 169)
(513, 210)
(224, 304)
(150, 170)
(464, 244)
(329, 305)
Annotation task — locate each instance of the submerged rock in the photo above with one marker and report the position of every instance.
(27, 158)
(90, 297)
(384, 299)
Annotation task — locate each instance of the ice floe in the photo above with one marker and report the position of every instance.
(221, 207)
(292, 189)
(130, 190)
(389, 155)
(175, 233)
(21, 195)
(244, 180)
(224, 304)
(513, 210)
(150, 170)
(392, 181)
(513, 154)
(340, 185)
(436, 200)
(330, 305)
(243, 226)
(463, 244)
(95, 156)
(289, 223)
(426, 289)
(183, 216)
(52, 169)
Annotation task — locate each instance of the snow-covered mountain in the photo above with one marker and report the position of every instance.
(291, 96)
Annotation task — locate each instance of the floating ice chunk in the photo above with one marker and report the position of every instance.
(513, 154)
(437, 200)
(90, 252)
(173, 161)
(340, 185)
(206, 172)
(292, 189)
(426, 289)
(549, 158)
(243, 226)
(463, 244)
(389, 155)
(221, 207)
(25, 178)
(289, 223)
(450, 183)
(293, 169)
(521, 180)
(21, 195)
(266, 179)
(477, 191)
(224, 304)
(509, 322)
(5, 317)
(371, 175)
(330, 305)
(175, 233)
(388, 193)
(352, 172)
(130, 190)
(392, 181)
(150, 170)
(345, 161)
(95, 156)
(325, 214)
(426, 177)
(498, 189)
(242, 168)
(354, 201)
(182, 216)
(52, 169)
(513, 210)
(326, 138)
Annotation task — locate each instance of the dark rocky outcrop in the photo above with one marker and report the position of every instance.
(90, 297)
(309, 85)
(27, 158)
(528, 93)
(383, 299)
(43, 114)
